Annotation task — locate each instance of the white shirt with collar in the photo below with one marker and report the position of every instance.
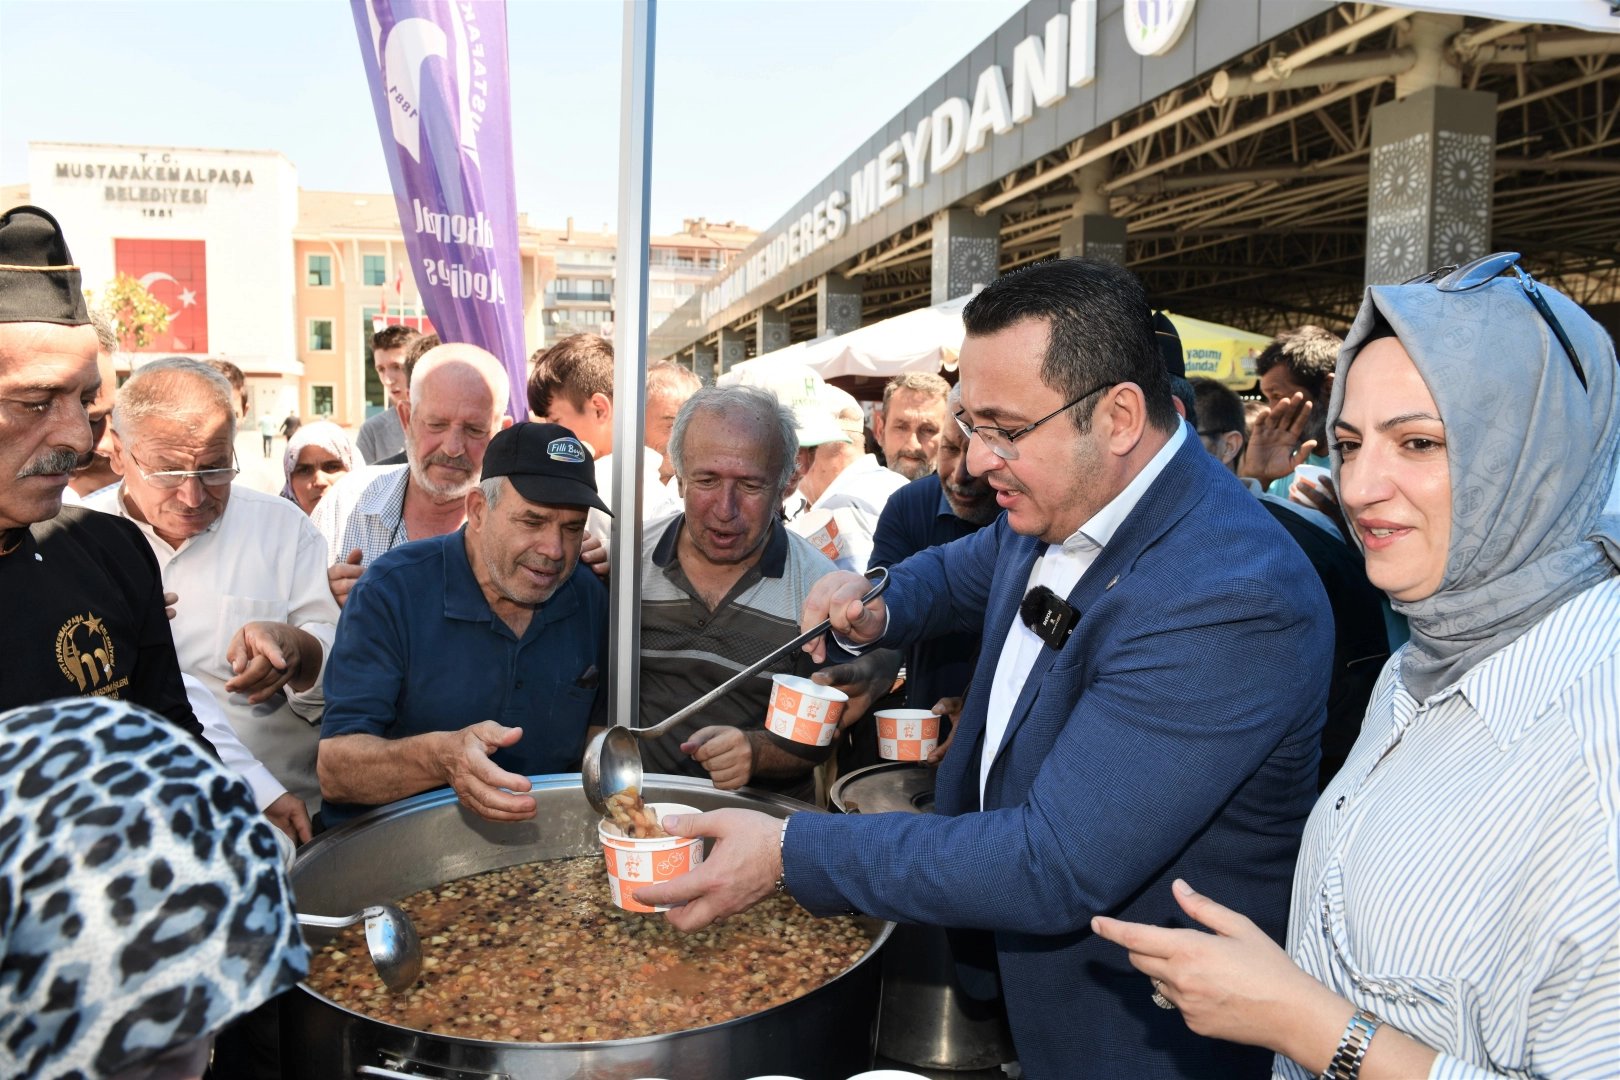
(855, 499)
(262, 560)
(1060, 569)
(657, 500)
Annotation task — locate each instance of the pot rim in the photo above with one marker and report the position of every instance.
(555, 781)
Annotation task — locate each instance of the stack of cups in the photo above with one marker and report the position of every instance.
(632, 863)
(907, 734)
(802, 711)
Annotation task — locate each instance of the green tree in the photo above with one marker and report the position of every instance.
(137, 316)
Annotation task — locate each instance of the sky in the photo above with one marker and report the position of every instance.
(755, 101)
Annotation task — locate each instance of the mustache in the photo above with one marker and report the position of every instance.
(55, 462)
(460, 461)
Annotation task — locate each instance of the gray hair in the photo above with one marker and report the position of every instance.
(106, 335)
(152, 391)
(666, 377)
(493, 489)
(762, 405)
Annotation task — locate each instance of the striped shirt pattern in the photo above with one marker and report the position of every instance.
(1461, 875)
(364, 510)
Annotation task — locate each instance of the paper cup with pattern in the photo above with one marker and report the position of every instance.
(633, 863)
(907, 734)
(802, 711)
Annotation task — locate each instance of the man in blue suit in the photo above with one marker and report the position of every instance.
(1171, 732)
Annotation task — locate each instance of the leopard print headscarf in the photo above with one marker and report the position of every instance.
(142, 898)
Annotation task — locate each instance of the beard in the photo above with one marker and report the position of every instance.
(911, 466)
(974, 503)
(435, 490)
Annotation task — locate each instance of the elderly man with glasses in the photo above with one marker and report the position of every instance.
(255, 618)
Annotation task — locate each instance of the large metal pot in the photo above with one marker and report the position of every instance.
(397, 850)
(925, 1018)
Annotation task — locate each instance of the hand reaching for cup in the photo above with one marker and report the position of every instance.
(951, 709)
(725, 752)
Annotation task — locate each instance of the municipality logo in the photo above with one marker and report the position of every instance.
(567, 450)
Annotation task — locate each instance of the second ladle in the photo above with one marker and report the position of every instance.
(613, 759)
(396, 950)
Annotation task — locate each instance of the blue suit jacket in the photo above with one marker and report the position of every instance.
(1175, 735)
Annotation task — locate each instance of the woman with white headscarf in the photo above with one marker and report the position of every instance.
(318, 455)
(1456, 905)
(143, 903)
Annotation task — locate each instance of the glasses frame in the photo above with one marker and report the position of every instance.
(1010, 452)
(1452, 278)
(182, 475)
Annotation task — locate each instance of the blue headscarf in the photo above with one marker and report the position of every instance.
(143, 902)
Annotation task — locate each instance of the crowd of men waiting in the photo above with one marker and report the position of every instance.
(410, 612)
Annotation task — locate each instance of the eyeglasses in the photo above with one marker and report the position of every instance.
(1000, 440)
(1454, 278)
(169, 479)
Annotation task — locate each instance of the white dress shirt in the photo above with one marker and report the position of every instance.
(1460, 876)
(262, 561)
(1059, 569)
(657, 501)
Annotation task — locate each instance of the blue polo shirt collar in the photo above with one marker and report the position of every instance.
(771, 564)
(464, 599)
(945, 509)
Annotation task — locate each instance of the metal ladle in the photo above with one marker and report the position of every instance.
(613, 759)
(396, 951)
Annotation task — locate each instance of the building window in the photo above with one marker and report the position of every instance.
(322, 399)
(375, 269)
(320, 335)
(662, 288)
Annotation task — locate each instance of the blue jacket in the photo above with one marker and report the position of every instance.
(1175, 735)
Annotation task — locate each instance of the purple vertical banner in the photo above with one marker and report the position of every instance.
(438, 73)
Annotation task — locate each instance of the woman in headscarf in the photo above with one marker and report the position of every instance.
(317, 456)
(143, 903)
(1456, 904)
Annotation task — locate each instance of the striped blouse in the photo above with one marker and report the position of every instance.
(1461, 875)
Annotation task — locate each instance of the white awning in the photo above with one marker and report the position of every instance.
(1599, 15)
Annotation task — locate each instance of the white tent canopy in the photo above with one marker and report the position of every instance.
(927, 339)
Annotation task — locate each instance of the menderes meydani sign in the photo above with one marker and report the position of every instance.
(1044, 69)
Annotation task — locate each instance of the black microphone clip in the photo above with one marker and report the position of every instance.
(1050, 616)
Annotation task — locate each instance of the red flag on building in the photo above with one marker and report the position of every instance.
(175, 272)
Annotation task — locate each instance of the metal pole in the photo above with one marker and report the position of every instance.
(630, 354)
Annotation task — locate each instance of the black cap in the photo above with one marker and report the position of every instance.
(546, 463)
(1164, 332)
(38, 281)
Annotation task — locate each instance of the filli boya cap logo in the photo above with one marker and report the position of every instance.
(566, 450)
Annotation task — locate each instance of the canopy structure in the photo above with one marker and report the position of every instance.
(930, 339)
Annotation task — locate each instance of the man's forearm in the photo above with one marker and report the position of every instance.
(772, 762)
(310, 654)
(370, 770)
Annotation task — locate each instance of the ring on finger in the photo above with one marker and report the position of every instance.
(1159, 999)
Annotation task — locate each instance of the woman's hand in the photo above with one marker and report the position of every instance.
(1235, 984)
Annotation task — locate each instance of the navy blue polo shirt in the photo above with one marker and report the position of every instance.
(419, 650)
(917, 517)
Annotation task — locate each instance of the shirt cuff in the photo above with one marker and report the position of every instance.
(856, 650)
(266, 788)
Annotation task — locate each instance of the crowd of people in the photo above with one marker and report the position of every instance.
(1332, 677)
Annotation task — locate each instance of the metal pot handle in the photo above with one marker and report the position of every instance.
(440, 1072)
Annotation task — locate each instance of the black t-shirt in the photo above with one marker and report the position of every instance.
(83, 616)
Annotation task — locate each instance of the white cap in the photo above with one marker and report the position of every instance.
(845, 411)
(797, 387)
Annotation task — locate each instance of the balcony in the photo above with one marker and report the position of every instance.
(584, 297)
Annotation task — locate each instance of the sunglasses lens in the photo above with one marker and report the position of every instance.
(1478, 272)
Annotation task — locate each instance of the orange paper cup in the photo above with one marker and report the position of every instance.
(907, 734)
(804, 712)
(632, 863)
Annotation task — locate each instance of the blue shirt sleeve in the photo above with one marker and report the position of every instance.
(366, 671)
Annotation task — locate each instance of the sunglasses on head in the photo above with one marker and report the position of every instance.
(1454, 278)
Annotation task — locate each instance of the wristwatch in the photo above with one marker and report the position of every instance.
(781, 881)
(1358, 1033)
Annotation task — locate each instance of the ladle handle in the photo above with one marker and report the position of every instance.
(881, 583)
(336, 922)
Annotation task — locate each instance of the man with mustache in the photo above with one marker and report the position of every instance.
(83, 596)
(909, 425)
(514, 638)
(458, 398)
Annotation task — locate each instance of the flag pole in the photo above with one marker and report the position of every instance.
(630, 350)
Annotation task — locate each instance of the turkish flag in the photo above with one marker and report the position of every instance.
(175, 272)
